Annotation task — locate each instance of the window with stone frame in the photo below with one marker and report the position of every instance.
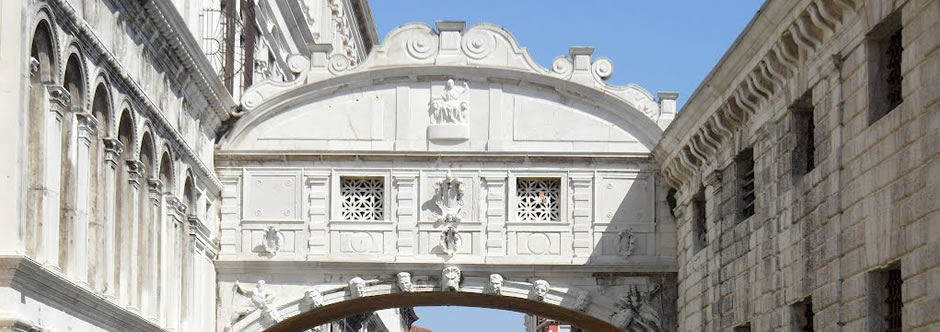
(538, 199)
(746, 195)
(699, 221)
(803, 315)
(363, 198)
(803, 128)
(886, 301)
(884, 67)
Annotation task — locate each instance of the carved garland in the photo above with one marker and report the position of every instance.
(806, 33)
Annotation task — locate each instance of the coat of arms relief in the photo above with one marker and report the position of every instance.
(448, 197)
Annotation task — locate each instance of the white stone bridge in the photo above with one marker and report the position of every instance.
(448, 154)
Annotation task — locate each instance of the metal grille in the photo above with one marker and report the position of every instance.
(538, 199)
(746, 182)
(363, 198)
(893, 301)
(892, 70)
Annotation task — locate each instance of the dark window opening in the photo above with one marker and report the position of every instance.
(893, 301)
(743, 328)
(803, 315)
(884, 77)
(803, 130)
(700, 221)
(745, 176)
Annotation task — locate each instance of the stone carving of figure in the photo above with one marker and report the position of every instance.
(357, 287)
(404, 282)
(313, 298)
(259, 299)
(449, 192)
(496, 283)
(272, 240)
(584, 298)
(541, 288)
(450, 279)
(636, 312)
(448, 108)
(625, 243)
(450, 241)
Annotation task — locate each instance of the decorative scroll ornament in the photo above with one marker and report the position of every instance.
(259, 299)
(449, 193)
(450, 113)
(313, 298)
(450, 279)
(272, 240)
(626, 242)
(540, 288)
(357, 287)
(583, 300)
(496, 284)
(404, 282)
(636, 313)
(450, 240)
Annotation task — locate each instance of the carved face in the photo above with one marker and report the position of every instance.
(496, 283)
(314, 298)
(583, 299)
(541, 288)
(404, 281)
(450, 279)
(450, 84)
(357, 287)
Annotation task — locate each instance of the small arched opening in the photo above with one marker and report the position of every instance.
(42, 70)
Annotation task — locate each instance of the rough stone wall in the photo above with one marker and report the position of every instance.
(870, 203)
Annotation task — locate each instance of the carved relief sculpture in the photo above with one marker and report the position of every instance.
(449, 193)
(584, 298)
(404, 282)
(496, 283)
(272, 240)
(636, 311)
(625, 243)
(541, 288)
(313, 298)
(357, 287)
(259, 299)
(450, 279)
(450, 240)
(450, 113)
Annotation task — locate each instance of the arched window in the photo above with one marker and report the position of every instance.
(42, 70)
(100, 221)
(149, 232)
(124, 205)
(73, 82)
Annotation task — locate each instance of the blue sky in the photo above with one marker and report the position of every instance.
(662, 45)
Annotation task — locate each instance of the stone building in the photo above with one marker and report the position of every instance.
(807, 173)
(248, 165)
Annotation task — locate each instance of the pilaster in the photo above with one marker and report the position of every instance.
(231, 203)
(130, 282)
(155, 235)
(494, 196)
(112, 152)
(406, 198)
(78, 259)
(58, 99)
(318, 238)
(582, 187)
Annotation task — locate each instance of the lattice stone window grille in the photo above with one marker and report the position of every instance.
(363, 198)
(539, 199)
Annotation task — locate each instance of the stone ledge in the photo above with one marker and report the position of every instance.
(24, 275)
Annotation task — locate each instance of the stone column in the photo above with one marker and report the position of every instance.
(78, 252)
(494, 198)
(130, 284)
(406, 197)
(318, 240)
(582, 192)
(175, 214)
(52, 157)
(150, 299)
(112, 153)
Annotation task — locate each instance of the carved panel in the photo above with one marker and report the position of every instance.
(361, 242)
(538, 243)
(255, 238)
(624, 243)
(625, 199)
(272, 196)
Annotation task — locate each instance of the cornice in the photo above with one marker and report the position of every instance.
(770, 50)
(221, 106)
(51, 288)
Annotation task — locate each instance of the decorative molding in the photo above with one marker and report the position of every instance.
(810, 26)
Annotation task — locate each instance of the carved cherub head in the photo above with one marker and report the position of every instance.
(496, 283)
(357, 287)
(314, 298)
(541, 288)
